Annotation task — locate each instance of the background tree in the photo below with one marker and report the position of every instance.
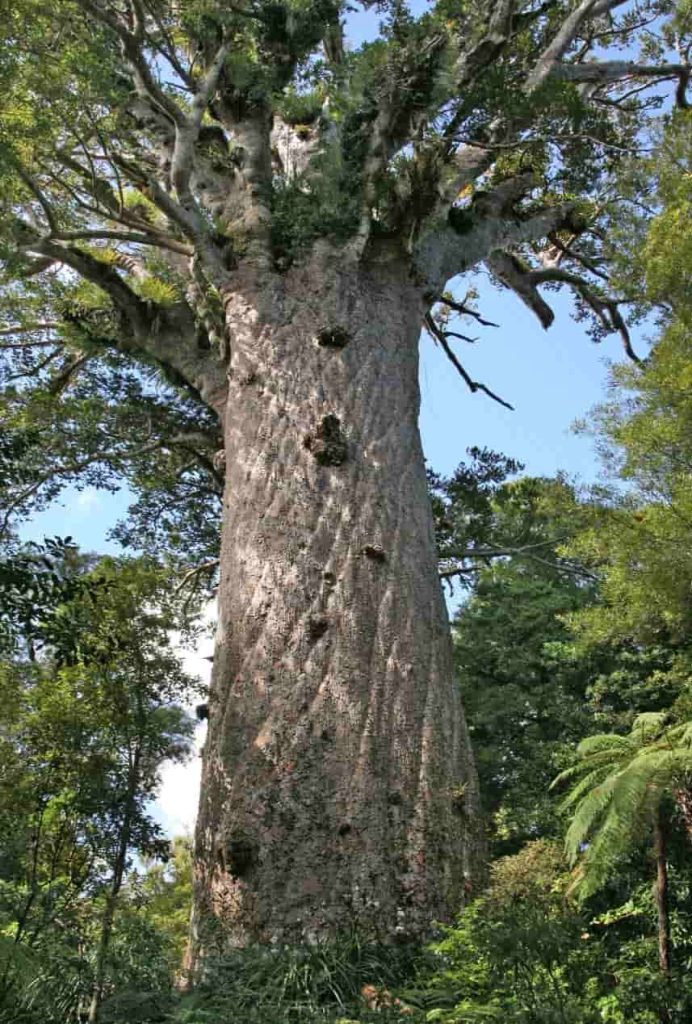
(639, 537)
(229, 198)
(83, 743)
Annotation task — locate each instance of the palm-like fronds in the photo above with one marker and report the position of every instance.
(616, 790)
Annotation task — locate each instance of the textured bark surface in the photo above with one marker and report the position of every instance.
(338, 787)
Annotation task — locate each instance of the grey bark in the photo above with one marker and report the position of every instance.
(338, 785)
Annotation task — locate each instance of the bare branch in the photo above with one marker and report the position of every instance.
(473, 385)
(600, 73)
(463, 310)
(605, 72)
(568, 251)
(447, 572)
(192, 574)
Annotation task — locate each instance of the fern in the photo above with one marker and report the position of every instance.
(617, 786)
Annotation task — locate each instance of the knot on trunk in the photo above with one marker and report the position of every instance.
(238, 857)
(374, 552)
(333, 337)
(317, 627)
(328, 444)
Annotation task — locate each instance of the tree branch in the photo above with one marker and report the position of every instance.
(525, 283)
(448, 248)
(600, 73)
(564, 38)
(46, 325)
(606, 72)
(100, 274)
(507, 269)
(473, 385)
(152, 238)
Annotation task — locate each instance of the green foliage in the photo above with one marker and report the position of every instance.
(318, 984)
(639, 540)
(524, 690)
(40, 588)
(618, 785)
(111, 424)
(86, 730)
(521, 953)
(307, 207)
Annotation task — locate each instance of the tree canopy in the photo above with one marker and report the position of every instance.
(149, 150)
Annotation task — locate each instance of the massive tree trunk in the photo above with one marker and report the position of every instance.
(338, 786)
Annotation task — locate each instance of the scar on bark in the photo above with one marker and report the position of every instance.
(237, 857)
(374, 552)
(328, 444)
(317, 627)
(459, 795)
(333, 337)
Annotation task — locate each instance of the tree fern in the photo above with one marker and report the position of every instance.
(616, 790)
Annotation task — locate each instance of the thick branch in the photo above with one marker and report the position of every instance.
(564, 38)
(509, 271)
(606, 72)
(526, 281)
(124, 299)
(185, 212)
(186, 137)
(461, 240)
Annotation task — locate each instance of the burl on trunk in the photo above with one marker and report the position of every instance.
(338, 785)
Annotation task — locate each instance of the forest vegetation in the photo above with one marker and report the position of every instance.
(222, 231)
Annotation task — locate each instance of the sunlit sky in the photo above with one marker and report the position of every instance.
(550, 377)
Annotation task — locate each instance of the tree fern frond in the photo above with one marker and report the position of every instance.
(602, 741)
(680, 735)
(649, 725)
(589, 812)
(582, 787)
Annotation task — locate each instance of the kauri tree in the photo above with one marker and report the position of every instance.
(222, 232)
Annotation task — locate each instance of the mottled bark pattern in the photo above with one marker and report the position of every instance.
(338, 786)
